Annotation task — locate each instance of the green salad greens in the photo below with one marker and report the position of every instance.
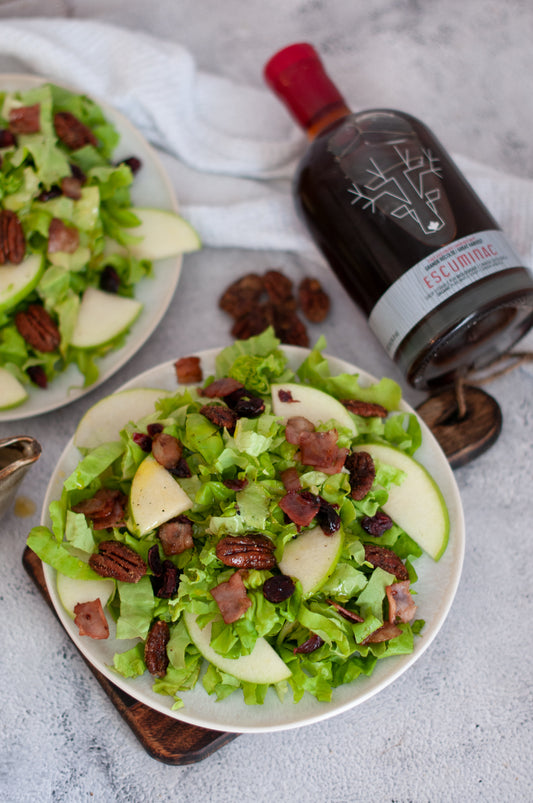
(52, 177)
(237, 481)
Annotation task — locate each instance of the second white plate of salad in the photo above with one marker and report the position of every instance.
(321, 650)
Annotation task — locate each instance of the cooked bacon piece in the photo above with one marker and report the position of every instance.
(231, 598)
(320, 450)
(176, 535)
(167, 450)
(221, 387)
(105, 509)
(220, 416)
(387, 560)
(25, 119)
(291, 479)
(301, 508)
(62, 237)
(313, 643)
(402, 606)
(188, 370)
(71, 187)
(295, 426)
(351, 616)
(365, 409)
(383, 633)
(90, 619)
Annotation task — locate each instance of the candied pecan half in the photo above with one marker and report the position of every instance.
(376, 524)
(118, 560)
(242, 295)
(387, 560)
(246, 551)
(25, 119)
(365, 409)
(290, 329)
(251, 323)
(72, 132)
(278, 287)
(12, 240)
(362, 474)
(188, 369)
(155, 649)
(220, 416)
(314, 301)
(38, 328)
(62, 237)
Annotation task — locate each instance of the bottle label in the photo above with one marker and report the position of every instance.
(436, 278)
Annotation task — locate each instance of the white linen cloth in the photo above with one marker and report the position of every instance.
(229, 149)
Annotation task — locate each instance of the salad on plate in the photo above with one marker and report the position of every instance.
(256, 528)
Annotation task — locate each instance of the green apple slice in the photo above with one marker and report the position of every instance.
(312, 557)
(12, 392)
(164, 234)
(72, 591)
(16, 281)
(311, 403)
(102, 317)
(155, 496)
(417, 505)
(262, 665)
(103, 421)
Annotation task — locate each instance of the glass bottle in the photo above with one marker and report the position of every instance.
(403, 230)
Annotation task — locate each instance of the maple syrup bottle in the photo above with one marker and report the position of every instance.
(405, 233)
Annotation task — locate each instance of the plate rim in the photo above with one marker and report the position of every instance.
(398, 664)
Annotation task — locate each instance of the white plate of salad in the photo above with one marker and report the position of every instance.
(252, 567)
(77, 176)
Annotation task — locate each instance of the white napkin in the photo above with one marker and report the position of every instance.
(229, 149)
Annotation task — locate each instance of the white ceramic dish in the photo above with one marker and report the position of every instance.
(151, 187)
(435, 588)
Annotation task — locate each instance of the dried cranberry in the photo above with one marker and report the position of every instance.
(376, 525)
(166, 584)
(142, 440)
(181, 469)
(278, 588)
(154, 560)
(7, 138)
(328, 518)
(236, 484)
(77, 172)
(49, 195)
(37, 375)
(249, 406)
(154, 429)
(109, 280)
(313, 643)
(133, 163)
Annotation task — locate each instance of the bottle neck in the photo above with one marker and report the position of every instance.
(327, 118)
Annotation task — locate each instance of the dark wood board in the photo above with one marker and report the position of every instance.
(164, 738)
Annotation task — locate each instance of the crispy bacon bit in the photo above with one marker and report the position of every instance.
(25, 119)
(291, 479)
(105, 509)
(221, 388)
(313, 643)
(167, 450)
(155, 649)
(402, 606)
(301, 508)
(351, 616)
(387, 560)
(176, 535)
(377, 524)
(383, 633)
(72, 132)
(235, 484)
(90, 619)
(188, 370)
(365, 409)
(320, 450)
(62, 237)
(220, 416)
(362, 474)
(231, 598)
(71, 187)
(295, 426)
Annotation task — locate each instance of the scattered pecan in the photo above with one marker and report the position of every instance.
(314, 301)
(242, 295)
(220, 416)
(310, 645)
(155, 649)
(362, 474)
(188, 370)
(62, 237)
(289, 327)
(251, 323)
(72, 132)
(365, 409)
(246, 551)
(278, 588)
(387, 560)
(279, 287)
(12, 240)
(38, 328)
(118, 560)
(25, 119)
(167, 450)
(377, 524)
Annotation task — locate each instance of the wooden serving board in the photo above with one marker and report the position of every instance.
(164, 738)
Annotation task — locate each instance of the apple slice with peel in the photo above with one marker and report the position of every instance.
(312, 557)
(292, 399)
(103, 421)
(102, 317)
(164, 234)
(417, 505)
(16, 281)
(71, 591)
(262, 665)
(12, 392)
(155, 496)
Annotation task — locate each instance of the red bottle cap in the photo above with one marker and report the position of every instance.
(296, 74)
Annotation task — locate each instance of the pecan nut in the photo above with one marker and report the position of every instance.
(155, 649)
(25, 119)
(117, 560)
(314, 301)
(387, 560)
(365, 409)
(362, 474)
(38, 328)
(12, 240)
(72, 132)
(246, 551)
